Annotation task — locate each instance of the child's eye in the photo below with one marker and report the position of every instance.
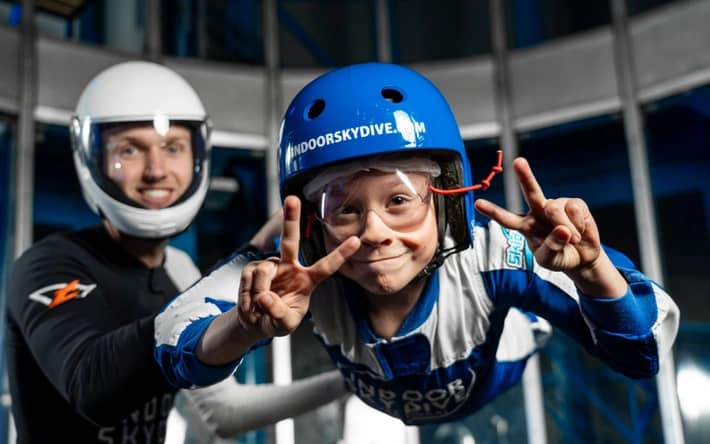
(346, 209)
(400, 200)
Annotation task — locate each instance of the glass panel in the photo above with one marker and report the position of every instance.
(325, 33)
(482, 157)
(693, 380)
(213, 30)
(235, 207)
(424, 30)
(583, 397)
(58, 203)
(532, 22)
(679, 149)
(5, 197)
(116, 25)
(500, 421)
(9, 13)
(634, 7)
(6, 247)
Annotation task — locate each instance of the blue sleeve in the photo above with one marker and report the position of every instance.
(184, 320)
(180, 364)
(626, 333)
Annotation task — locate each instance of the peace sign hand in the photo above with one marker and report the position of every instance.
(561, 233)
(274, 294)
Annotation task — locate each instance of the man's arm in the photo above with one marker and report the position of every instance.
(229, 408)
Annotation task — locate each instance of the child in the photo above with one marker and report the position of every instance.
(427, 315)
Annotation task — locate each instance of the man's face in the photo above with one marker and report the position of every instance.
(151, 169)
(396, 226)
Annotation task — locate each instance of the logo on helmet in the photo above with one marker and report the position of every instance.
(409, 129)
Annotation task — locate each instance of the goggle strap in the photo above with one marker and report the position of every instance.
(309, 224)
(483, 185)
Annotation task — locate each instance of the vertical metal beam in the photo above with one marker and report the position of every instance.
(22, 169)
(152, 39)
(504, 106)
(280, 347)
(384, 36)
(532, 385)
(25, 148)
(643, 204)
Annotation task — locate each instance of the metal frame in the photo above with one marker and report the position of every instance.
(643, 204)
(281, 346)
(532, 383)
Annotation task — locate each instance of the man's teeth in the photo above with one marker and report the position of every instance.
(157, 194)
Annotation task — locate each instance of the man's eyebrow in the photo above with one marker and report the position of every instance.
(178, 139)
(120, 139)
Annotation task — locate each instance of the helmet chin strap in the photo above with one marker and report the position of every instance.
(440, 254)
(435, 263)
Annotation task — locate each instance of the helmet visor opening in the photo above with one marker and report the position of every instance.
(146, 164)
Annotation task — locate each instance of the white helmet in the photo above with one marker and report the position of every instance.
(148, 93)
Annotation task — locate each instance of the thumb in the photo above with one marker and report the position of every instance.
(283, 317)
(331, 263)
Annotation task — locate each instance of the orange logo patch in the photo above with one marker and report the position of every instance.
(57, 294)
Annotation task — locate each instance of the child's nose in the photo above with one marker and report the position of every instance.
(374, 230)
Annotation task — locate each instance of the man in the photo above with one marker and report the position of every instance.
(81, 304)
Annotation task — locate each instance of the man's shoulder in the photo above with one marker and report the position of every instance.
(60, 244)
(50, 259)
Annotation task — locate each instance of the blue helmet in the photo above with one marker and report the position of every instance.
(375, 109)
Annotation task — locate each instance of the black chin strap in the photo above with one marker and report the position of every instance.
(435, 263)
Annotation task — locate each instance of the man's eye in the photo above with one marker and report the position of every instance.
(128, 150)
(175, 148)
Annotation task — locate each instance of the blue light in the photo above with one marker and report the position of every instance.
(15, 15)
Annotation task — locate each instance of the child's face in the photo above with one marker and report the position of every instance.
(393, 215)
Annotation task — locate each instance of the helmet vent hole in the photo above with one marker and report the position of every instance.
(316, 109)
(392, 95)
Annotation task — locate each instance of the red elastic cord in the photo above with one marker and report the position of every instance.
(309, 224)
(485, 183)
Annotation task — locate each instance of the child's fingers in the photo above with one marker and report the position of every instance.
(245, 286)
(291, 235)
(554, 243)
(284, 318)
(556, 213)
(263, 275)
(578, 214)
(329, 264)
(501, 215)
(532, 191)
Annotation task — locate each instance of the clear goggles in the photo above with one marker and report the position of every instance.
(110, 148)
(400, 200)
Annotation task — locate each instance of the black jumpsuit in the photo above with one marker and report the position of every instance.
(79, 341)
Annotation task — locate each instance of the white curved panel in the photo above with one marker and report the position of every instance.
(563, 80)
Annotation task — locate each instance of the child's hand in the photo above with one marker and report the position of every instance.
(561, 232)
(274, 293)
